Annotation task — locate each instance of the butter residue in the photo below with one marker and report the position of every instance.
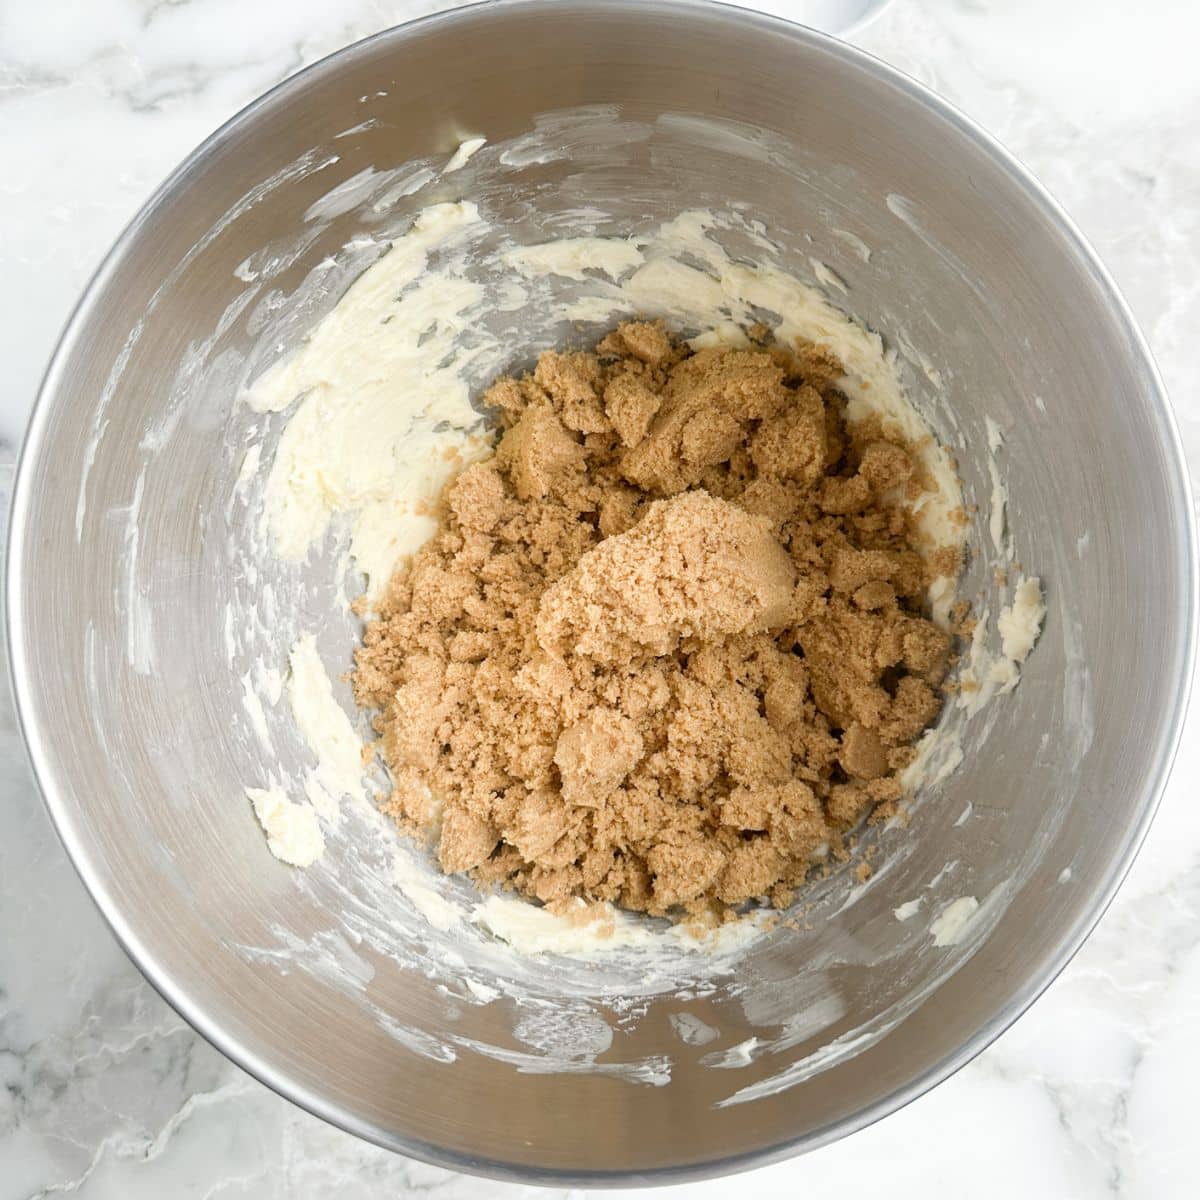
(600, 929)
(382, 402)
(951, 923)
(252, 703)
(691, 1030)
(999, 495)
(293, 832)
(459, 158)
(572, 258)
(326, 729)
(292, 827)
(1019, 625)
(736, 1057)
(413, 880)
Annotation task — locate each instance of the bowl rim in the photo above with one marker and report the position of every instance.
(177, 997)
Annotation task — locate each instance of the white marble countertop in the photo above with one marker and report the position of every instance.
(106, 1094)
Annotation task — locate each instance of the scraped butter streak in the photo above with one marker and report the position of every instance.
(462, 155)
(999, 496)
(293, 832)
(989, 672)
(382, 402)
(326, 729)
(292, 826)
(533, 930)
(1019, 622)
(949, 926)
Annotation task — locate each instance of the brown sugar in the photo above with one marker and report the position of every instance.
(667, 647)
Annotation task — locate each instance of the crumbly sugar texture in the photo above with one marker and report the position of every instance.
(667, 649)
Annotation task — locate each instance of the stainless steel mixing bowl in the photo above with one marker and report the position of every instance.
(125, 575)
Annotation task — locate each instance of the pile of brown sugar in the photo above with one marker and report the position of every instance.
(667, 647)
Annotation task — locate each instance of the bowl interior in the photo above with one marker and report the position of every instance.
(140, 595)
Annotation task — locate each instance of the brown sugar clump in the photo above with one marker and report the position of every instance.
(667, 647)
(692, 566)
